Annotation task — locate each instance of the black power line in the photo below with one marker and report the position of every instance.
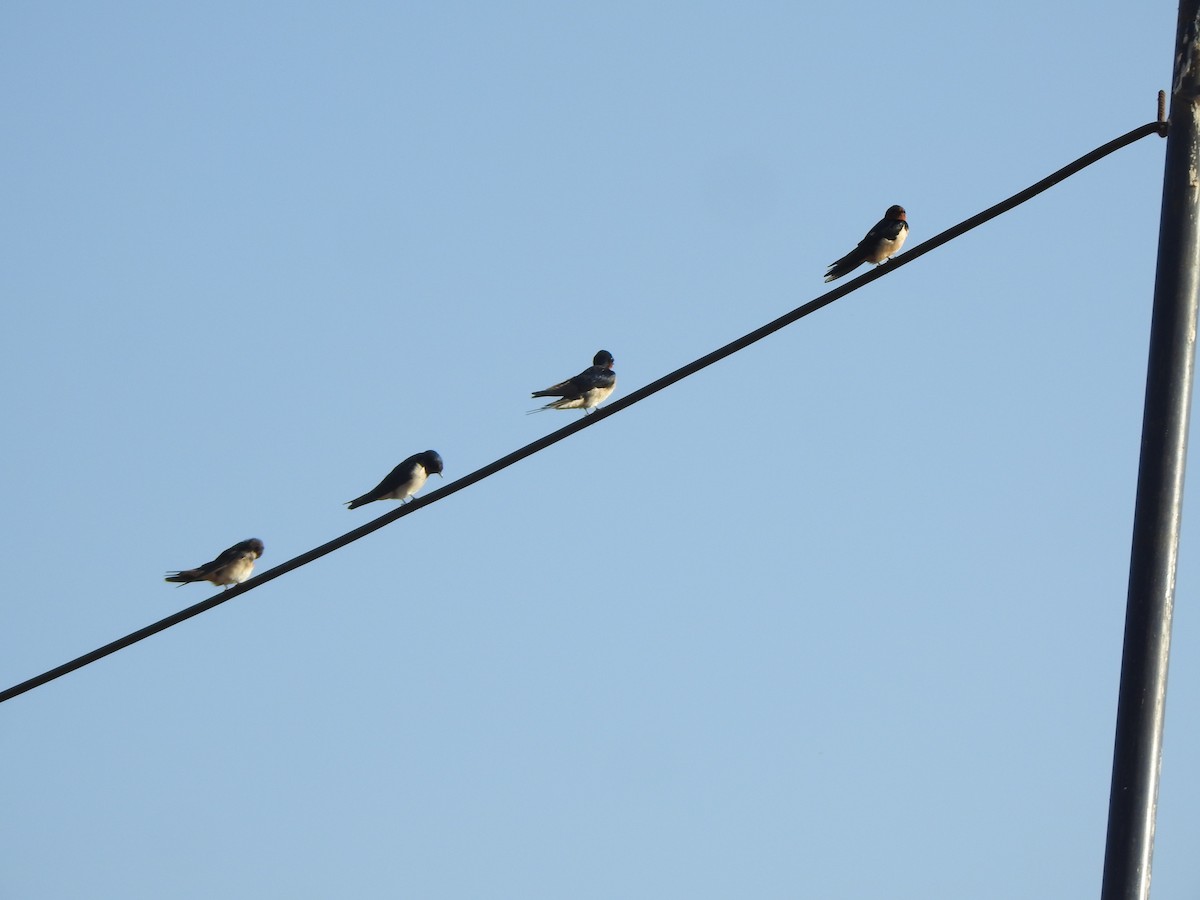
(628, 400)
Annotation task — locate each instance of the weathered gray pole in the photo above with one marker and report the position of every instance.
(1142, 700)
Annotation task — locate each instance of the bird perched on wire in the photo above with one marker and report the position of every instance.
(404, 480)
(233, 566)
(585, 391)
(882, 242)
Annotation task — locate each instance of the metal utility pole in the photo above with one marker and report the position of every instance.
(1141, 704)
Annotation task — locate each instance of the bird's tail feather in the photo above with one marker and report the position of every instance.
(844, 266)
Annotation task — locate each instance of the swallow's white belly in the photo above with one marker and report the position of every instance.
(596, 396)
(410, 487)
(236, 572)
(887, 249)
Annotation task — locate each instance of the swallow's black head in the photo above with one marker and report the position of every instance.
(896, 212)
(603, 358)
(432, 462)
(254, 545)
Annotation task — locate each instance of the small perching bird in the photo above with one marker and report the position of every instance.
(404, 480)
(233, 566)
(585, 391)
(882, 242)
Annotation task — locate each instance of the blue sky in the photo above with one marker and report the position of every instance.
(838, 617)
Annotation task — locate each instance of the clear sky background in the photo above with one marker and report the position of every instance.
(838, 617)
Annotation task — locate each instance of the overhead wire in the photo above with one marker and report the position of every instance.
(1159, 127)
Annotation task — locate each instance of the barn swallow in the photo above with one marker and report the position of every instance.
(882, 242)
(404, 480)
(586, 390)
(232, 567)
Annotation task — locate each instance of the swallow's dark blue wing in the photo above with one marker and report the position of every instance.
(573, 388)
(884, 230)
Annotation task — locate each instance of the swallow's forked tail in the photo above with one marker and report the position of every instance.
(844, 266)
